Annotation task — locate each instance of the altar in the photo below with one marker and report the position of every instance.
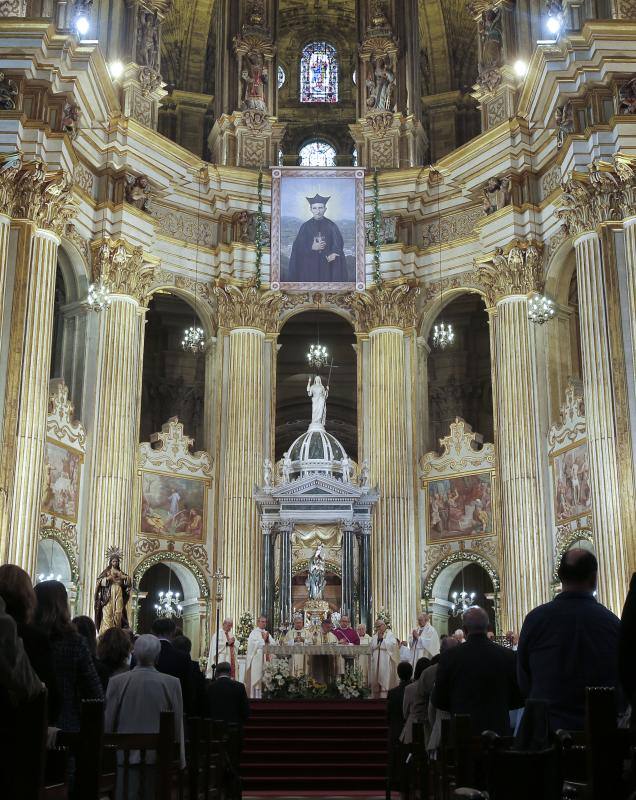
(325, 662)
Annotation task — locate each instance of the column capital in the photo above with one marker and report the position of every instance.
(28, 191)
(384, 306)
(515, 270)
(248, 306)
(121, 266)
(605, 193)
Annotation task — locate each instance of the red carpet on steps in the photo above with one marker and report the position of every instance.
(315, 745)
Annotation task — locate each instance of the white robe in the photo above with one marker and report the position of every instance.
(225, 651)
(384, 660)
(363, 661)
(298, 662)
(254, 663)
(426, 646)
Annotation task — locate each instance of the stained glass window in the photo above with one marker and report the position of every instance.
(317, 154)
(281, 77)
(319, 74)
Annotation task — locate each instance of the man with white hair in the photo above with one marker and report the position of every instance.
(255, 658)
(227, 649)
(385, 656)
(298, 635)
(134, 702)
(478, 678)
(424, 640)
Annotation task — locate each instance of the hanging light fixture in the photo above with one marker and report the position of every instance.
(463, 600)
(540, 309)
(194, 337)
(317, 356)
(50, 576)
(443, 334)
(169, 605)
(99, 294)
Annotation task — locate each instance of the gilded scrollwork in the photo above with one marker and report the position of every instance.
(122, 268)
(460, 556)
(170, 450)
(388, 305)
(166, 556)
(572, 426)
(461, 452)
(516, 270)
(248, 306)
(60, 423)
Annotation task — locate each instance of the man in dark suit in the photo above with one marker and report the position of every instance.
(395, 717)
(197, 678)
(227, 699)
(173, 662)
(568, 644)
(478, 678)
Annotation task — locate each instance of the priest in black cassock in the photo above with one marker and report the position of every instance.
(318, 250)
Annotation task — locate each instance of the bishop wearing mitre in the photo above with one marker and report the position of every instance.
(255, 659)
(226, 649)
(297, 635)
(385, 656)
(424, 640)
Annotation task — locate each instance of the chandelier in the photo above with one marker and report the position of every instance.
(317, 356)
(194, 339)
(443, 334)
(99, 297)
(50, 577)
(462, 601)
(168, 605)
(540, 309)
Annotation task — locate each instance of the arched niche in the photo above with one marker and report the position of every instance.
(195, 621)
(293, 407)
(176, 382)
(582, 538)
(459, 377)
(57, 558)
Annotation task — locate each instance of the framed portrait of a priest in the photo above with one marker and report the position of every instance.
(317, 236)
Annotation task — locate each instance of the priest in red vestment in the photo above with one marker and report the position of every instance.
(345, 633)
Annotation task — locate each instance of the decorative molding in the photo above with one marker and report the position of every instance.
(497, 194)
(517, 271)
(249, 307)
(60, 424)
(164, 556)
(459, 556)
(169, 451)
(28, 191)
(572, 426)
(388, 305)
(460, 453)
(122, 268)
(84, 178)
(568, 535)
(453, 226)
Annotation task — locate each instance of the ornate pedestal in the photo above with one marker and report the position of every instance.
(246, 139)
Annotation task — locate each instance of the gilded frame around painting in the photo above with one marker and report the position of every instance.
(74, 480)
(555, 458)
(292, 247)
(485, 477)
(189, 521)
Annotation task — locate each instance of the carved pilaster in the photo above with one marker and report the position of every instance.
(248, 307)
(517, 270)
(385, 306)
(123, 269)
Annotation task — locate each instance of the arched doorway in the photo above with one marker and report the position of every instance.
(158, 579)
(293, 407)
(56, 562)
(473, 580)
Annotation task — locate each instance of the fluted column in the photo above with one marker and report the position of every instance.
(388, 314)
(630, 264)
(347, 570)
(245, 315)
(507, 280)
(609, 533)
(118, 387)
(269, 568)
(40, 205)
(364, 575)
(285, 584)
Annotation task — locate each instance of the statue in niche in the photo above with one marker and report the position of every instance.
(254, 76)
(148, 39)
(490, 33)
(346, 469)
(564, 118)
(70, 119)
(137, 192)
(316, 580)
(318, 394)
(363, 478)
(380, 84)
(627, 98)
(8, 93)
(287, 467)
(497, 194)
(112, 594)
(267, 473)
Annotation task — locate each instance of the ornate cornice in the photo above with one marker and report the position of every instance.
(122, 268)
(606, 193)
(518, 270)
(28, 191)
(249, 307)
(388, 305)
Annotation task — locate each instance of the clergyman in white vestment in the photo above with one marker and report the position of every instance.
(227, 647)
(297, 635)
(424, 640)
(385, 656)
(363, 661)
(255, 659)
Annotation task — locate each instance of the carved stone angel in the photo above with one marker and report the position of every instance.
(137, 192)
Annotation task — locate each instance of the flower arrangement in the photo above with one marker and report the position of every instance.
(245, 627)
(385, 616)
(278, 682)
(276, 677)
(351, 685)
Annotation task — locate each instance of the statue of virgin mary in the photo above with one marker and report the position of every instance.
(112, 594)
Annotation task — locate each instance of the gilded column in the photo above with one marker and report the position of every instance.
(246, 314)
(118, 388)
(507, 280)
(39, 205)
(387, 313)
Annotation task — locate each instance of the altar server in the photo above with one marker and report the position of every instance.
(363, 661)
(297, 635)
(226, 649)
(424, 640)
(255, 659)
(385, 656)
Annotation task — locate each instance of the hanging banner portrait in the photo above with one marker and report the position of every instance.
(317, 236)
